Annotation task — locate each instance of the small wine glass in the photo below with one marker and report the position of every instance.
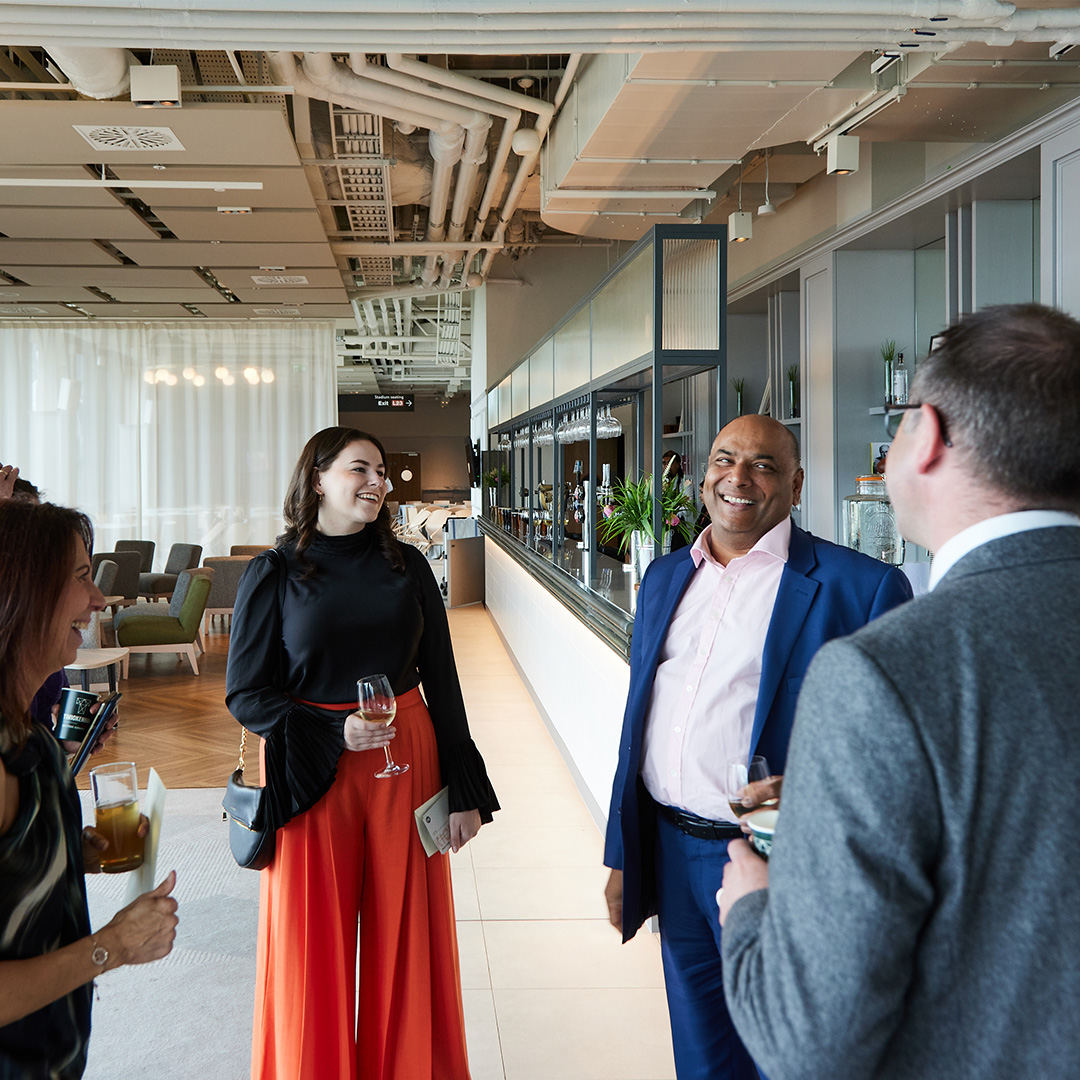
(739, 775)
(377, 705)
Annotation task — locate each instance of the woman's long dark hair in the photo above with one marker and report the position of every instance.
(302, 502)
(38, 543)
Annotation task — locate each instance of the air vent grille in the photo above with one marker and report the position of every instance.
(279, 279)
(112, 137)
(21, 309)
(294, 311)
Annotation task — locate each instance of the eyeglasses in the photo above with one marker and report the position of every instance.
(894, 414)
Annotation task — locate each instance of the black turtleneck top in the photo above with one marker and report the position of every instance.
(307, 637)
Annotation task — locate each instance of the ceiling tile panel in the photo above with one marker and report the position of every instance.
(9, 310)
(292, 296)
(138, 311)
(238, 254)
(46, 294)
(295, 226)
(34, 194)
(110, 277)
(242, 279)
(201, 294)
(55, 253)
(281, 186)
(42, 132)
(66, 223)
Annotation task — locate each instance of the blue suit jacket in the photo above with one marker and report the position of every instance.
(825, 592)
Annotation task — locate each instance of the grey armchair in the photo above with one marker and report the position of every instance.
(126, 583)
(249, 549)
(145, 548)
(161, 586)
(105, 576)
(228, 570)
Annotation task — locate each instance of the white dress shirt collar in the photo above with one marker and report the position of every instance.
(982, 532)
(775, 542)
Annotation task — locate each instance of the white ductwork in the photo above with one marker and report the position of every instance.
(501, 99)
(474, 153)
(530, 143)
(95, 73)
(461, 137)
(325, 80)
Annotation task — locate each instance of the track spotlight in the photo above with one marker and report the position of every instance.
(842, 154)
(740, 226)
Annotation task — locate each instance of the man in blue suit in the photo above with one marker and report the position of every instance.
(723, 634)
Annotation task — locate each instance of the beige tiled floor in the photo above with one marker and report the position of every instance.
(549, 991)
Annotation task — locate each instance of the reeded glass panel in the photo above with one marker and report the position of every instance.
(572, 348)
(691, 294)
(622, 316)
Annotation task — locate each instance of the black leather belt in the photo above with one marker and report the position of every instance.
(702, 828)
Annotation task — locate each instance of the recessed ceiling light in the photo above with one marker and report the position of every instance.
(159, 167)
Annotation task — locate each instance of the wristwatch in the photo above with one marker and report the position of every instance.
(100, 955)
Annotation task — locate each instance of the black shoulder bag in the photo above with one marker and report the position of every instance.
(251, 840)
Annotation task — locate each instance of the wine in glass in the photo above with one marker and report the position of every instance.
(378, 706)
(741, 773)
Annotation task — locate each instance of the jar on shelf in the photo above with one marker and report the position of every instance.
(870, 522)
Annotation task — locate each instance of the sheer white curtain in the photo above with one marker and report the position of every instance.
(172, 432)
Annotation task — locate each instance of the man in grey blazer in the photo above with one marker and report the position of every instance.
(920, 915)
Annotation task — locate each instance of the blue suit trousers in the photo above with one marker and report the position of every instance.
(688, 873)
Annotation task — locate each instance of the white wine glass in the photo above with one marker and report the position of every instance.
(378, 706)
(741, 773)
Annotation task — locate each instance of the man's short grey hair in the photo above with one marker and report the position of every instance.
(1006, 384)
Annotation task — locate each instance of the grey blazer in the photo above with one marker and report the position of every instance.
(923, 914)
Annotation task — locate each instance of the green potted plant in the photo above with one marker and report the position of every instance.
(628, 518)
(738, 385)
(494, 479)
(888, 357)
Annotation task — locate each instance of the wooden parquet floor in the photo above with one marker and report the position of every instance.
(177, 722)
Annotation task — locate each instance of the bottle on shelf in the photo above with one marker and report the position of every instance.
(900, 381)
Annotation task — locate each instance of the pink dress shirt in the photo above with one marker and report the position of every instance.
(701, 713)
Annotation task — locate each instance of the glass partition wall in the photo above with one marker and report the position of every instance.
(578, 417)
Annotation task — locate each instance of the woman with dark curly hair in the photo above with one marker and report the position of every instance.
(337, 599)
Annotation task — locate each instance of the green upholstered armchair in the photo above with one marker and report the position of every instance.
(173, 632)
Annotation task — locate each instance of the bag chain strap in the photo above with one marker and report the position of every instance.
(243, 741)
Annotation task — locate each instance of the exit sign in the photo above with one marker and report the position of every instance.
(375, 402)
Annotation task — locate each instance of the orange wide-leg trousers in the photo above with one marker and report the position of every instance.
(355, 856)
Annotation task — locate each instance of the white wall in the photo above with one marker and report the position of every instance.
(1060, 224)
(578, 681)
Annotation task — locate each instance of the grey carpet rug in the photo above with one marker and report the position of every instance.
(189, 1015)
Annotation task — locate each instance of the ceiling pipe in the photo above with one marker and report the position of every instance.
(467, 144)
(473, 154)
(497, 94)
(528, 162)
(321, 78)
(95, 73)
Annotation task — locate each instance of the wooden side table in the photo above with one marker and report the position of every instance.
(110, 659)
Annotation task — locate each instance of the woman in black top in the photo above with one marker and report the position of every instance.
(340, 598)
(48, 956)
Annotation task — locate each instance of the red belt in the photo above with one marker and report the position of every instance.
(409, 698)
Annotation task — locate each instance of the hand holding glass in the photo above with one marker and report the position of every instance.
(115, 791)
(740, 774)
(377, 706)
